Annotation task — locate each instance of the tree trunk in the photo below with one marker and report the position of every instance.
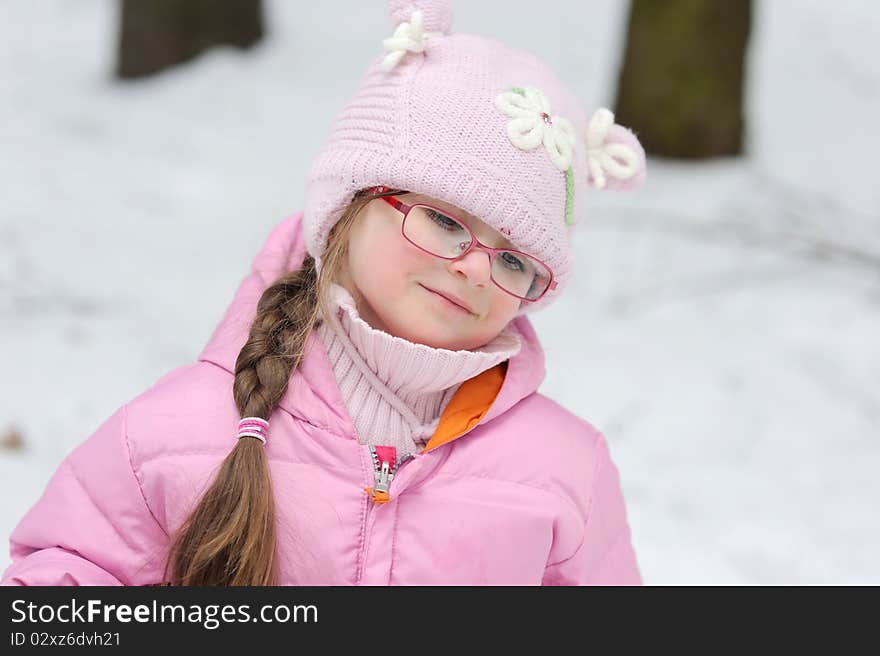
(681, 84)
(158, 34)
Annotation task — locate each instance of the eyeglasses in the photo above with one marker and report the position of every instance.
(434, 231)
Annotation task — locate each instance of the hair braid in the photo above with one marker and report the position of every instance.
(229, 538)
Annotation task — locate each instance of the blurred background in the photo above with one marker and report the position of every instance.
(723, 329)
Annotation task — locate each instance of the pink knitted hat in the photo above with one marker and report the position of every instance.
(469, 121)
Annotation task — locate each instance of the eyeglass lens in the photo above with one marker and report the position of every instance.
(443, 236)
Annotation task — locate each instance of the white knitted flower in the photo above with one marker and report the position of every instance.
(533, 125)
(614, 159)
(408, 37)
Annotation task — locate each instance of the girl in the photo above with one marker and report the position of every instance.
(382, 370)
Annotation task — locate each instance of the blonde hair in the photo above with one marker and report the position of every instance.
(229, 538)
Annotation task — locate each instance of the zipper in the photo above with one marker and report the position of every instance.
(385, 466)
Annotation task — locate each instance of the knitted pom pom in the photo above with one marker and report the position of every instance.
(437, 13)
(615, 158)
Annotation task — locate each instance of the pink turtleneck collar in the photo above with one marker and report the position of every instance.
(395, 390)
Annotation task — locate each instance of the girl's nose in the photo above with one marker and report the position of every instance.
(475, 266)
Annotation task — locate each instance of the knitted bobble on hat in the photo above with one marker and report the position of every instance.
(415, 24)
(437, 14)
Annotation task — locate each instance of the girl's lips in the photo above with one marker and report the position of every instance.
(449, 302)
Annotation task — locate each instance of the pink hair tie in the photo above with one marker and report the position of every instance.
(253, 427)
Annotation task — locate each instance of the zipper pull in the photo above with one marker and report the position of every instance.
(384, 466)
(383, 478)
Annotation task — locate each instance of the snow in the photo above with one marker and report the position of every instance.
(721, 330)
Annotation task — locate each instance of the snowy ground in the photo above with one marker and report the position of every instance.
(722, 331)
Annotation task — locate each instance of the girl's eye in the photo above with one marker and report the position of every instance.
(513, 262)
(444, 221)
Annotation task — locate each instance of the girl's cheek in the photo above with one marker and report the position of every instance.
(408, 259)
(505, 307)
(398, 264)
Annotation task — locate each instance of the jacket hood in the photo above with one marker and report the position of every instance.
(312, 393)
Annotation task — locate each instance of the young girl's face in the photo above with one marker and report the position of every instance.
(391, 281)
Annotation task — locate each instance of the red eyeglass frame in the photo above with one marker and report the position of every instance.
(404, 209)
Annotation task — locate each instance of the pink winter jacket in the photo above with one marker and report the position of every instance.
(518, 492)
